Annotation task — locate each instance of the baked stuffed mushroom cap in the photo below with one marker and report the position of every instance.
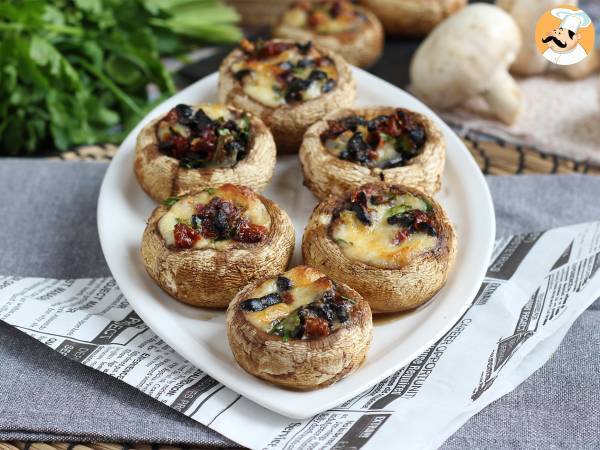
(339, 25)
(289, 85)
(300, 329)
(202, 146)
(393, 244)
(207, 245)
(351, 147)
(412, 17)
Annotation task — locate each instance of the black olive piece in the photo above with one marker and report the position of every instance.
(196, 222)
(304, 63)
(165, 146)
(426, 228)
(374, 123)
(328, 296)
(356, 146)
(293, 96)
(184, 112)
(298, 84)
(341, 311)
(328, 85)
(417, 135)
(240, 74)
(286, 65)
(361, 213)
(317, 75)
(361, 198)
(298, 332)
(353, 122)
(394, 162)
(304, 48)
(345, 154)
(235, 148)
(231, 125)
(335, 10)
(283, 284)
(404, 219)
(221, 222)
(258, 304)
(302, 313)
(201, 120)
(325, 312)
(401, 115)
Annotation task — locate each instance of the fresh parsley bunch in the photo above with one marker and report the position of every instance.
(76, 72)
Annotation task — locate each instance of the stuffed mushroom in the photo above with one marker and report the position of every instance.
(412, 17)
(205, 246)
(352, 147)
(289, 85)
(201, 146)
(299, 329)
(393, 244)
(339, 25)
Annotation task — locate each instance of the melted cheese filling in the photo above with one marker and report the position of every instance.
(308, 286)
(374, 244)
(263, 85)
(299, 18)
(184, 209)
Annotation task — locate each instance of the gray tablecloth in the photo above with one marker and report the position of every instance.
(48, 229)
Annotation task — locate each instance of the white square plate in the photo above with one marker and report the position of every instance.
(199, 335)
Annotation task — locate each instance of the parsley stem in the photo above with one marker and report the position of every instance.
(112, 86)
(50, 27)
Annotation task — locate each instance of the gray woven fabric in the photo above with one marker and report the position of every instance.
(48, 229)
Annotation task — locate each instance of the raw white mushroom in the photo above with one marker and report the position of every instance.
(529, 60)
(468, 55)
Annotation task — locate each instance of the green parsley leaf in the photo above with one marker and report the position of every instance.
(398, 209)
(75, 72)
(171, 201)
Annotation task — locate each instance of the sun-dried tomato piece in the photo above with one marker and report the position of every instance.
(316, 327)
(420, 217)
(217, 217)
(249, 232)
(206, 142)
(401, 236)
(390, 127)
(185, 236)
(287, 297)
(180, 145)
(423, 222)
(172, 116)
(272, 48)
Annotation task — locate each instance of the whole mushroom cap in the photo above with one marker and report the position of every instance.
(467, 55)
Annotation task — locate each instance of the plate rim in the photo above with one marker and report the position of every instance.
(309, 411)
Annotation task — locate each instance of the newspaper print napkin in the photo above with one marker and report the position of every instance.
(535, 288)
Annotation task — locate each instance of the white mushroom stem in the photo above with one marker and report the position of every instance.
(503, 97)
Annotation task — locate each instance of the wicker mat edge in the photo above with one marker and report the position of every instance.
(493, 155)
